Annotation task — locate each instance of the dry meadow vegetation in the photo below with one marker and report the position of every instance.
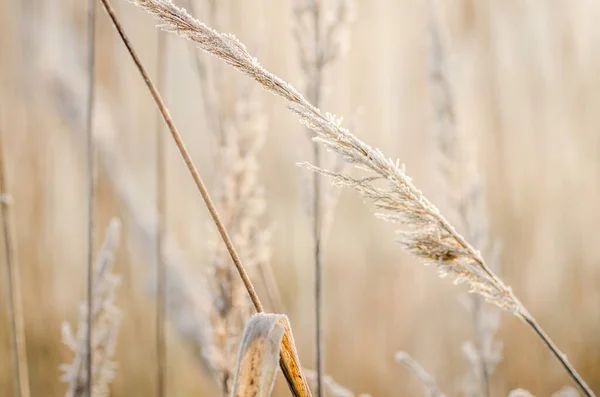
(469, 127)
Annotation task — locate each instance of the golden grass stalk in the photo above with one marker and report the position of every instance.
(105, 321)
(290, 364)
(427, 233)
(428, 381)
(13, 278)
(464, 193)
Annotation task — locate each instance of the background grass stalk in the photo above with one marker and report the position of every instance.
(13, 279)
(161, 190)
(91, 187)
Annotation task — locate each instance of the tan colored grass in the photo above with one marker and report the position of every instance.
(427, 234)
(289, 362)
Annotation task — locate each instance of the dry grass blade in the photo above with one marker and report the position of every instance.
(105, 321)
(15, 305)
(428, 381)
(259, 356)
(427, 233)
(290, 363)
(267, 339)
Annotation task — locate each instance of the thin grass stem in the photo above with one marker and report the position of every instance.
(161, 189)
(318, 256)
(15, 304)
(91, 187)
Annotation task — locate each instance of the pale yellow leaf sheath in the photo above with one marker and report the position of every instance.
(259, 356)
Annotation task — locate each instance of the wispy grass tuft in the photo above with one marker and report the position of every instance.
(241, 202)
(105, 320)
(428, 381)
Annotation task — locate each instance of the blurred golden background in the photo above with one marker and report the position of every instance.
(526, 89)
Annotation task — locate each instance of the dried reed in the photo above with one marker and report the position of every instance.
(13, 279)
(464, 194)
(105, 321)
(289, 359)
(428, 234)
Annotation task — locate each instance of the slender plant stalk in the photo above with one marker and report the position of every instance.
(161, 189)
(318, 256)
(91, 187)
(289, 362)
(15, 304)
(430, 235)
(562, 357)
